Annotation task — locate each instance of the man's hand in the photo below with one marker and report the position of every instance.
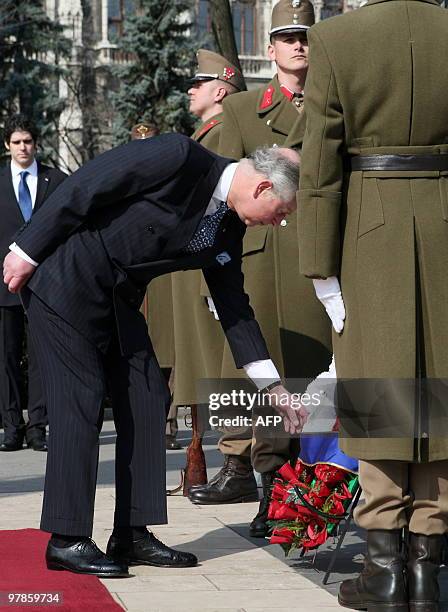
(328, 291)
(16, 272)
(294, 417)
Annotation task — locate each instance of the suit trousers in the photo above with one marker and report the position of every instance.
(76, 376)
(13, 330)
(399, 494)
(267, 454)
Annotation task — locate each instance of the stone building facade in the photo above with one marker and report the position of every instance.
(251, 24)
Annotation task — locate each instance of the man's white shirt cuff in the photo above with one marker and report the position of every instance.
(18, 251)
(262, 372)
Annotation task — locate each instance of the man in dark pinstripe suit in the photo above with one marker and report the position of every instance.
(141, 210)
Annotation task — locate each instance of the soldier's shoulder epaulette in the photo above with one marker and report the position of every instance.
(208, 125)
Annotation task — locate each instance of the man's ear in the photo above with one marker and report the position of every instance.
(262, 187)
(220, 94)
(6, 145)
(271, 52)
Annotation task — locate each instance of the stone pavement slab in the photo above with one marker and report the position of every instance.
(236, 573)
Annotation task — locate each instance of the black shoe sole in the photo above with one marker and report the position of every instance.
(52, 565)
(344, 604)
(142, 562)
(375, 606)
(253, 497)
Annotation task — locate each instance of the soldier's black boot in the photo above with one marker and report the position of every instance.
(381, 586)
(425, 559)
(259, 528)
(234, 483)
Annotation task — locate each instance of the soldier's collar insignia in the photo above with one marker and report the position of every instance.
(228, 73)
(267, 98)
(287, 92)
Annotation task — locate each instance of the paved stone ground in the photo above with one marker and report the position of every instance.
(236, 572)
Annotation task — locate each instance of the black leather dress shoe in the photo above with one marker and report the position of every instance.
(172, 443)
(11, 445)
(148, 551)
(38, 443)
(84, 557)
(234, 483)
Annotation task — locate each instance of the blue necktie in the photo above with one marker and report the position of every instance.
(25, 202)
(206, 232)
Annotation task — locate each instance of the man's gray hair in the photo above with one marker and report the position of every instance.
(279, 168)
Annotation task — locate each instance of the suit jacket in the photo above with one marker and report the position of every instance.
(124, 219)
(12, 220)
(377, 85)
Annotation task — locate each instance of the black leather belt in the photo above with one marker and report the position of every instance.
(397, 163)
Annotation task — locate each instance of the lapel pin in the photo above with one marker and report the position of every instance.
(223, 258)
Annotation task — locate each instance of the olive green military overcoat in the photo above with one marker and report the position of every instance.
(198, 336)
(377, 84)
(159, 314)
(293, 322)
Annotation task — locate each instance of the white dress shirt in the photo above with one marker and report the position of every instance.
(262, 372)
(222, 189)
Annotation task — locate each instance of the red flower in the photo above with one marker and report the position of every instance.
(329, 474)
(335, 507)
(342, 492)
(316, 535)
(321, 489)
(304, 514)
(279, 492)
(282, 536)
(286, 513)
(274, 506)
(313, 498)
(288, 474)
(305, 473)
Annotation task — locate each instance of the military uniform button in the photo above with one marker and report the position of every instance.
(424, 434)
(283, 223)
(268, 122)
(150, 229)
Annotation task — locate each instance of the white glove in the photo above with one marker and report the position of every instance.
(212, 308)
(322, 415)
(328, 291)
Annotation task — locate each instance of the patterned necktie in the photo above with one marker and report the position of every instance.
(25, 202)
(206, 232)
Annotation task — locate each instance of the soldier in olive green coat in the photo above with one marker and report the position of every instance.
(294, 324)
(373, 214)
(198, 336)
